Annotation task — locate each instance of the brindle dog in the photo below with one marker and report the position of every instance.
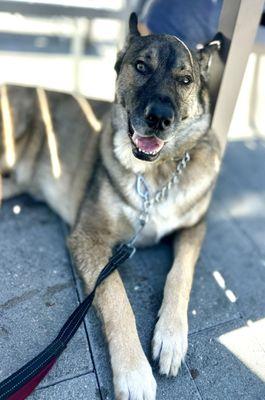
(160, 112)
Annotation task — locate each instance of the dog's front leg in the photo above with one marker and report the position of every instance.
(170, 341)
(132, 374)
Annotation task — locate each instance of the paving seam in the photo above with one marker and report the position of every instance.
(193, 381)
(65, 232)
(241, 318)
(65, 380)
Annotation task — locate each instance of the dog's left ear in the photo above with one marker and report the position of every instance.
(133, 25)
(206, 53)
(133, 32)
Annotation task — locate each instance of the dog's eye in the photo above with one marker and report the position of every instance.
(141, 67)
(185, 79)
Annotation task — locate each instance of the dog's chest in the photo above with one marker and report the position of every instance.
(167, 217)
(163, 220)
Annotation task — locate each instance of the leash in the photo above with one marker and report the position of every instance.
(19, 385)
(22, 383)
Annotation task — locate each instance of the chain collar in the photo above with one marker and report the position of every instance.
(148, 202)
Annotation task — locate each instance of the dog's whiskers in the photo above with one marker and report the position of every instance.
(51, 137)
(8, 128)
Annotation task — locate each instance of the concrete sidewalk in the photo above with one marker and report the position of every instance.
(39, 289)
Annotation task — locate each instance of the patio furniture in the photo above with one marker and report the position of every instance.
(81, 11)
(238, 23)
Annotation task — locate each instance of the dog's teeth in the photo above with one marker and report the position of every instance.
(152, 153)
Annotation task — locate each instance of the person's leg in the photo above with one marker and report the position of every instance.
(192, 21)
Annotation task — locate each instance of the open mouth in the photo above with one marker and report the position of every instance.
(145, 148)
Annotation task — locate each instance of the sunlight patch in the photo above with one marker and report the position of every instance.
(219, 279)
(51, 137)
(88, 112)
(222, 284)
(8, 128)
(247, 344)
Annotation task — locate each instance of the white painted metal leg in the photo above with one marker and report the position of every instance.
(238, 23)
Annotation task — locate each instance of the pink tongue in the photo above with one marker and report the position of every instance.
(148, 144)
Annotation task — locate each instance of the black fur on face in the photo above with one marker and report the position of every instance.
(162, 86)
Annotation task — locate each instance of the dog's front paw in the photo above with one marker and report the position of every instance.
(136, 383)
(170, 344)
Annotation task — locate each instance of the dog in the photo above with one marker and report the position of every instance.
(161, 111)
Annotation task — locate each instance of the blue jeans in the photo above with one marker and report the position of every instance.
(193, 21)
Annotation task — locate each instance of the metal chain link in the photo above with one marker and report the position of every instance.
(162, 194)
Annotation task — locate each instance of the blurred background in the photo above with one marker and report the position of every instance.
(71, 45)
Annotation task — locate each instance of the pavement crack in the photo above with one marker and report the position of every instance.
(52, 290)
(18, 300)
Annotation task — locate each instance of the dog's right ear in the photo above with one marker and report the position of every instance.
(133, 32)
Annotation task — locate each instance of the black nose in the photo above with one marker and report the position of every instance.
(159, 115)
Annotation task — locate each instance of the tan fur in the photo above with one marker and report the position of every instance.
(170, 341)
(98, 174)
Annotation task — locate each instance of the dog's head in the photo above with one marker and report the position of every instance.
(161, 87)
